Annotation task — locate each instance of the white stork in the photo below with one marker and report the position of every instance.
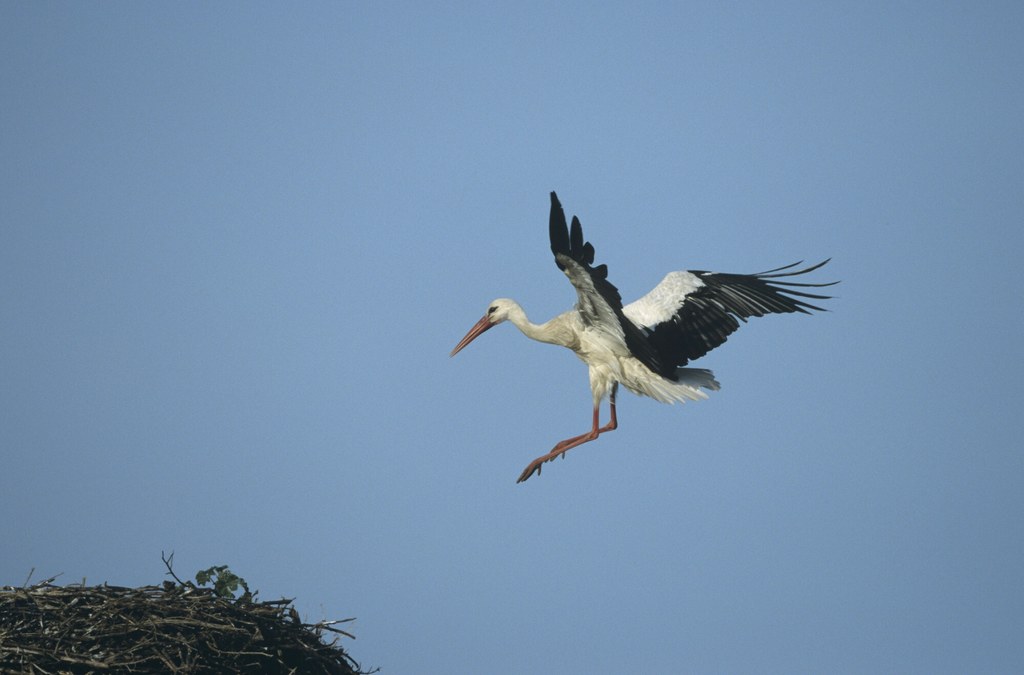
(645, 344)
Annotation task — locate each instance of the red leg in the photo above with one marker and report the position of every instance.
(568, 444)
(613, 423)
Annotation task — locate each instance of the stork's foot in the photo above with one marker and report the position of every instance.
(568, 444)
(558, 451)
(533, 468)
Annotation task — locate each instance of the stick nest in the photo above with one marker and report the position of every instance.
(171, 628)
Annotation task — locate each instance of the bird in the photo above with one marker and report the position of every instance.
(645, 345)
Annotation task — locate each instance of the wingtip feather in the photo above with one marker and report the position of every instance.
(558, 229)
(576, 236)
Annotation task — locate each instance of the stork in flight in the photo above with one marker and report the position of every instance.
(644, 345)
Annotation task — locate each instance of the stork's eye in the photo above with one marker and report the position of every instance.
(492, 310)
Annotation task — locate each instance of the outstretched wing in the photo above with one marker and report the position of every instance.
(599, 303)
(690, 313)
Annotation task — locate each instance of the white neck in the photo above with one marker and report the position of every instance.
(550, 331)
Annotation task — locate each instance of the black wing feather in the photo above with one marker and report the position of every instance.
(576, 236)
(714, 311)
(558, 231)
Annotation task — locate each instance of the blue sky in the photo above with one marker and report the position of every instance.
(238, 241)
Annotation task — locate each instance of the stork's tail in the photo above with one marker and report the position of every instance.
(688, 384)
(698, 378)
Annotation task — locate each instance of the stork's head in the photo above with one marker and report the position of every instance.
(497, 312)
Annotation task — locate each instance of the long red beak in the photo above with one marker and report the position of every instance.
(482, 325)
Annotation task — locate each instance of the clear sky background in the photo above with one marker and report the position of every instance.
(237, 242)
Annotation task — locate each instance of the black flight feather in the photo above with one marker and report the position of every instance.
(713, 311)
